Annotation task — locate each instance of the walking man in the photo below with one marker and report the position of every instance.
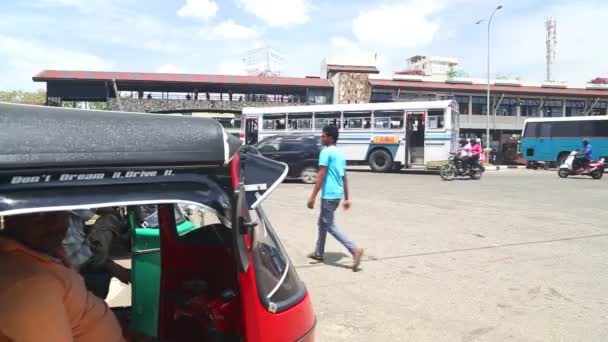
(333, 183)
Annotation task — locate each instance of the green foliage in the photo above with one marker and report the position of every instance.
(18, 96)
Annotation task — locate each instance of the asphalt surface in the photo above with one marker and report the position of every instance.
(518, 256)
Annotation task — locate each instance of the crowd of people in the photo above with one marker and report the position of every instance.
(241, 97)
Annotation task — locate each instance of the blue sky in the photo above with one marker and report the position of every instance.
(212, 36)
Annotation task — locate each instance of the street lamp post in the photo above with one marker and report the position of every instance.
(488, 106)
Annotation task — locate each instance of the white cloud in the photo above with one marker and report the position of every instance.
(229, 30)
(204, 9)
(231, 68)
(169, 69)
(24, 59)
(398, 25)
(348, 52)
(279, 13)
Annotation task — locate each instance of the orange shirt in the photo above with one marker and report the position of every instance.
(42, 299)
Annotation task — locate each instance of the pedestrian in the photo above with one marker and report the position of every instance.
(333, 184)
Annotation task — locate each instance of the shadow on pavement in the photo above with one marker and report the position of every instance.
(405, 171)
(333, 259)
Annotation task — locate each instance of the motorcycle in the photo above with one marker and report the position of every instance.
(455, 168)
(595, 169)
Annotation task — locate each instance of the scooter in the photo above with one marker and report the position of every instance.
(595, 169)
(454, 168)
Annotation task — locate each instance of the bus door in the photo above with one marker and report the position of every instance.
(414, 133)
(251, 131)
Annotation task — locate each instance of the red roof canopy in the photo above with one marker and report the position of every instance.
(456, 87)
(353, 68)
(600, 80)
(410, 72)
(55, 75)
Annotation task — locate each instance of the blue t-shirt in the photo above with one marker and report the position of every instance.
(333, 185)
(588, 151)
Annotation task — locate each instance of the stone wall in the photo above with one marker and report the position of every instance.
(169, 105)
(353, 88)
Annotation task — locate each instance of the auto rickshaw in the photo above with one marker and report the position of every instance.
(225, 281)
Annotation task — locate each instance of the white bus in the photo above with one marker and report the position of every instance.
(387, 136)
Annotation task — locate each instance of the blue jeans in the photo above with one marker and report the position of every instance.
(327, 225)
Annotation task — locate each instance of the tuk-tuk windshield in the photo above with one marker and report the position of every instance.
(149, 215)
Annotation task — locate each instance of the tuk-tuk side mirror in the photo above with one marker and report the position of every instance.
(240, 228)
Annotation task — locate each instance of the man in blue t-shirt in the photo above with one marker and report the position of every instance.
(585, 157)
(332, 180)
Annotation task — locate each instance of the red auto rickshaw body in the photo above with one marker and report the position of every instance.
(241, 286)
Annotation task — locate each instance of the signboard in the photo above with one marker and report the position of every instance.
(385, 140)
(85, 176)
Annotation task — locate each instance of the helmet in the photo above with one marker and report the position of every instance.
(585, 142)
(463, 141)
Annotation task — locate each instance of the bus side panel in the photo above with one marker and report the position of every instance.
(547, 149)
(436, 148)
(354, 150)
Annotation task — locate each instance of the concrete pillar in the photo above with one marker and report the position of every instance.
(563, 107)
(518, 112)
(470, 108)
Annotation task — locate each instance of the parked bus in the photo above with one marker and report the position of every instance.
(387, 136)
(552, 139)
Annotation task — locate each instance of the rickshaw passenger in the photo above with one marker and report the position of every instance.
(42, 297)
(89, 251)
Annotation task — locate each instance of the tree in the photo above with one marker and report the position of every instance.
(452, 72)
(19, 96)
(38, 97)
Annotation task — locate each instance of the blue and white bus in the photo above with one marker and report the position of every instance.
(387, 136)
(552, 139)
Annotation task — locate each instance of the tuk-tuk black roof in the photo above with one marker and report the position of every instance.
(39, 137)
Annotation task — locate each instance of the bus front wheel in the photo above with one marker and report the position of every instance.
(380, 161)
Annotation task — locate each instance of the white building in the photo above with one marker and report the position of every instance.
(432, 65)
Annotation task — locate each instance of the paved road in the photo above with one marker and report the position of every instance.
(518, 256)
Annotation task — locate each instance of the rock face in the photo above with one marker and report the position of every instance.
(353, 87)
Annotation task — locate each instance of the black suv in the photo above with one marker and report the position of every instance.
(299, 152)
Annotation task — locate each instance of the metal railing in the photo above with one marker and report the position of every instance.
(264, 98)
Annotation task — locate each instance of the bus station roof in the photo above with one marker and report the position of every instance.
(462, 87)
(141, 81)
(143, 77)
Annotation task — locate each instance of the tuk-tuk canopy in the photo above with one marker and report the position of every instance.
(58, 157)
(41, 137)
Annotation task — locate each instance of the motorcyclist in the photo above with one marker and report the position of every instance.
(465, 154)
(584, 158)
(475, 150)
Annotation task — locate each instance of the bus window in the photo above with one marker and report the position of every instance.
(299, 121)
(357, 120)
(327, 118)
(601, 128)
(436, 119)
(545, 129)
(531, 130)
(274, 122)
(388, 119)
